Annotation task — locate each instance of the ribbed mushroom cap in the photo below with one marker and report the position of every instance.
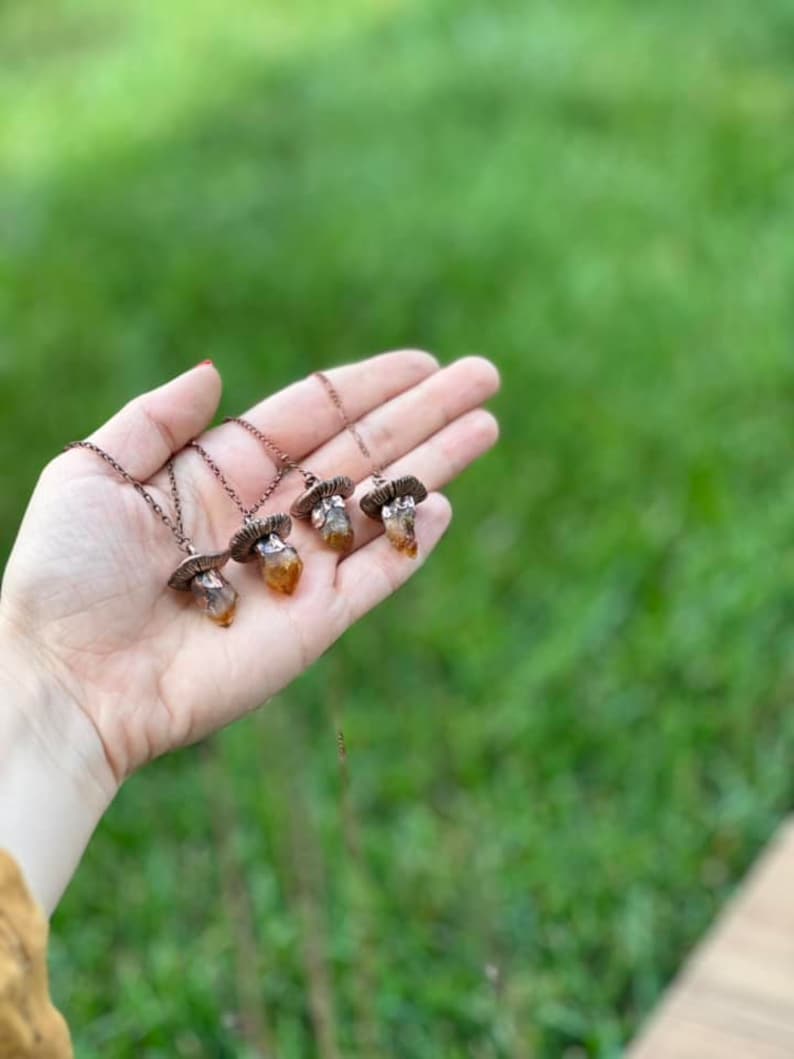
(303, 505)
(408, 485)
(242, 543)
(196, 564)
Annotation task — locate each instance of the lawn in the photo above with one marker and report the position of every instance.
(573, 732)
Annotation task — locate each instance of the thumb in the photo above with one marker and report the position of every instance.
(152, 427)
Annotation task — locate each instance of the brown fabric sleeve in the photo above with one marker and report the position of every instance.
(30, 1027)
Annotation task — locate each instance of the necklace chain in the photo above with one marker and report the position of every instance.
(247, 512)
(375, 468)
(271, 446)
(175, 525)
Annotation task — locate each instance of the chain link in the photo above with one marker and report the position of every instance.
(376, 468)
(271, 446)
(176, 499)
(231, 492)
(175, 525)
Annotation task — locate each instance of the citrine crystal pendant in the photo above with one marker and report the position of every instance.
(201, 575)
(394, 504)
(263, 539)
(324, 503)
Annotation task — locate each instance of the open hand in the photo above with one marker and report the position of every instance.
(85, 594)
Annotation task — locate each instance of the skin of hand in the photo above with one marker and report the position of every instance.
(103, 668)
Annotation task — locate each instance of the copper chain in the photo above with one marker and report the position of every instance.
(175, 525)
(271, 446)
(231, 492)
(376, 468)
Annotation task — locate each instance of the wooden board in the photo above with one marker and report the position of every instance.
(734, 999)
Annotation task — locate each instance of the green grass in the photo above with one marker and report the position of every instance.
(570, 736)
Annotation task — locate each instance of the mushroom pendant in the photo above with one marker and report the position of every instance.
(264, 539)
(324, 503)
(394, 504)
(201, 575)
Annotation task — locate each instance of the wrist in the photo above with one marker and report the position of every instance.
(55, 782)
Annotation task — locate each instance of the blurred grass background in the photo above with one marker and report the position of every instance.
(573, 732)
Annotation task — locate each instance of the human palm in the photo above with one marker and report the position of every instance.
(86, 580)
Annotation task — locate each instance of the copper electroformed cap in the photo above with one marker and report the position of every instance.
(241, 546)
(304, 504)
(372, 502)
(196, 564)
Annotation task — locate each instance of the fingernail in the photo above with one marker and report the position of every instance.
(201, 363)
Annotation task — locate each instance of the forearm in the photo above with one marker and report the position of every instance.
(54, 781)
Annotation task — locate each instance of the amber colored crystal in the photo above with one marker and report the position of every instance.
(215, 596)
(399, 520)
(279, 564)
(330, 517)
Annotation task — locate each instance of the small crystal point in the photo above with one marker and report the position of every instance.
(399, 520)
(330, 517)
(215, 596)
(279, 564)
